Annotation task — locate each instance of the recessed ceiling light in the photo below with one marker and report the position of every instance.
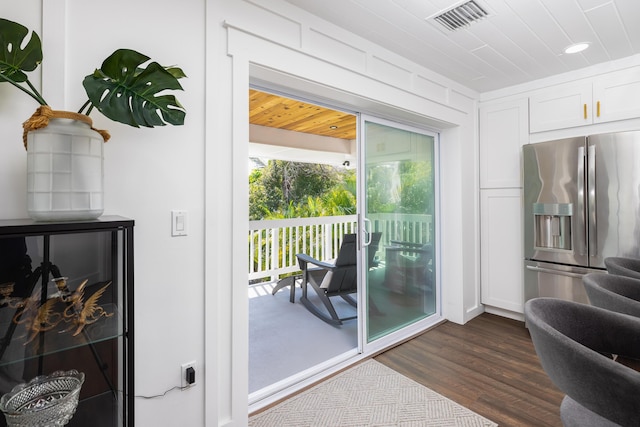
(577, 47)
(333, 127)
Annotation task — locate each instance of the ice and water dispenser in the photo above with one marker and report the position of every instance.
(552, 226)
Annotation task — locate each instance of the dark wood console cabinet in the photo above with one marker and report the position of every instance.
(94, 259)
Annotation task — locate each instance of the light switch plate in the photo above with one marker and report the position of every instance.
(179, 223)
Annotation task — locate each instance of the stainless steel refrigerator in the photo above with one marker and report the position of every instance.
(581, 205)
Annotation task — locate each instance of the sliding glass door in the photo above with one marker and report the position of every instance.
(398, 211)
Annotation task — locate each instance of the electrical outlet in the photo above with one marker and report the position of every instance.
(184, 374)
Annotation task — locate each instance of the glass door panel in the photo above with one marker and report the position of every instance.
(398, 178)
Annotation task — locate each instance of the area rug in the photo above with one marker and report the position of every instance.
(369, 394)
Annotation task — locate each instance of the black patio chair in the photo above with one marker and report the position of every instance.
(409, 267)
(373, 248)
(337, 279)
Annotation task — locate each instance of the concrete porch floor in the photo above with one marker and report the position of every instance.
(285, 338)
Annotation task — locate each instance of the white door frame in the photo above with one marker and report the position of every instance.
(363, 349)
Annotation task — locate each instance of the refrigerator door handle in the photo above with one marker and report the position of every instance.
(558, 272)
(591, 185)
(581, 237)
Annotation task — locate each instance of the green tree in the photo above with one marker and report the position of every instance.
(416, 190)
(297, 190)
(402, 187)
(381, 194)
(257, 196)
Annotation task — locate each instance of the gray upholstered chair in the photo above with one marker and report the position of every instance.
(616, 293)
(572, 341)
(629, 267)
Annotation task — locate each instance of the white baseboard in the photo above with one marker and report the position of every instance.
(504, 313)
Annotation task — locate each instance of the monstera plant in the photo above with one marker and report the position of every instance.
(121, 89)
(64, 151)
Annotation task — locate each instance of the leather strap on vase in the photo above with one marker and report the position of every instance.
(41, 117)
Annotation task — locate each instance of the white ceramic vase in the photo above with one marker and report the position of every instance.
(65, 172)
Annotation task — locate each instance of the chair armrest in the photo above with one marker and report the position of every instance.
(592, 327)
(304, 259)
(619, 336)
(407, 249)
(407, 244)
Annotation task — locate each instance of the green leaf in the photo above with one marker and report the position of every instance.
(15, 59)
(127, 93)
(176, 72)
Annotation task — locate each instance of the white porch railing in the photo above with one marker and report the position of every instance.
(273, 244)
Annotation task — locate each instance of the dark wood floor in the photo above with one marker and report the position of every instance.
(488, 365)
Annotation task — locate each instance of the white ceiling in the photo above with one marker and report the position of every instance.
(520, 41)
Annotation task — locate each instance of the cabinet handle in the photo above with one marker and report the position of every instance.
(598, 109)
(585, 111)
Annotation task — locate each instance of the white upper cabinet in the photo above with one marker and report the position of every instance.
(503, 130)
(610, 97)
(616, 96)
(560, 107)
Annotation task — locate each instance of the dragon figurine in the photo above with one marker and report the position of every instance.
(38, 318)
(81, 312)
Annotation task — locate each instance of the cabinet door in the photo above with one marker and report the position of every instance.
(66, 306)
(616, 96)
(501, 259)
(561, 106)
(504, 128)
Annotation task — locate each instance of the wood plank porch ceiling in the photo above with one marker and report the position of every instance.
(275, 111)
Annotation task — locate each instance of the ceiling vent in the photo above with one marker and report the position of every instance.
(462, 15)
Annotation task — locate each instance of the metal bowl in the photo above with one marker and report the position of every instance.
(47, 400)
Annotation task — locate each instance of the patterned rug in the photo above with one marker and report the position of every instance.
(369, 394)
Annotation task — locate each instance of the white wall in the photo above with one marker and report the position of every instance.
(190, 291)
(15, 108)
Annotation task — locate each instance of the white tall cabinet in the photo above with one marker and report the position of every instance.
(504, 128)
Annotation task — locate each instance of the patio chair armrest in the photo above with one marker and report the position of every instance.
(406, 249)
(406, 244)
(304, 259)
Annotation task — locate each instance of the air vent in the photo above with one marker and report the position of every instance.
(461, 16)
